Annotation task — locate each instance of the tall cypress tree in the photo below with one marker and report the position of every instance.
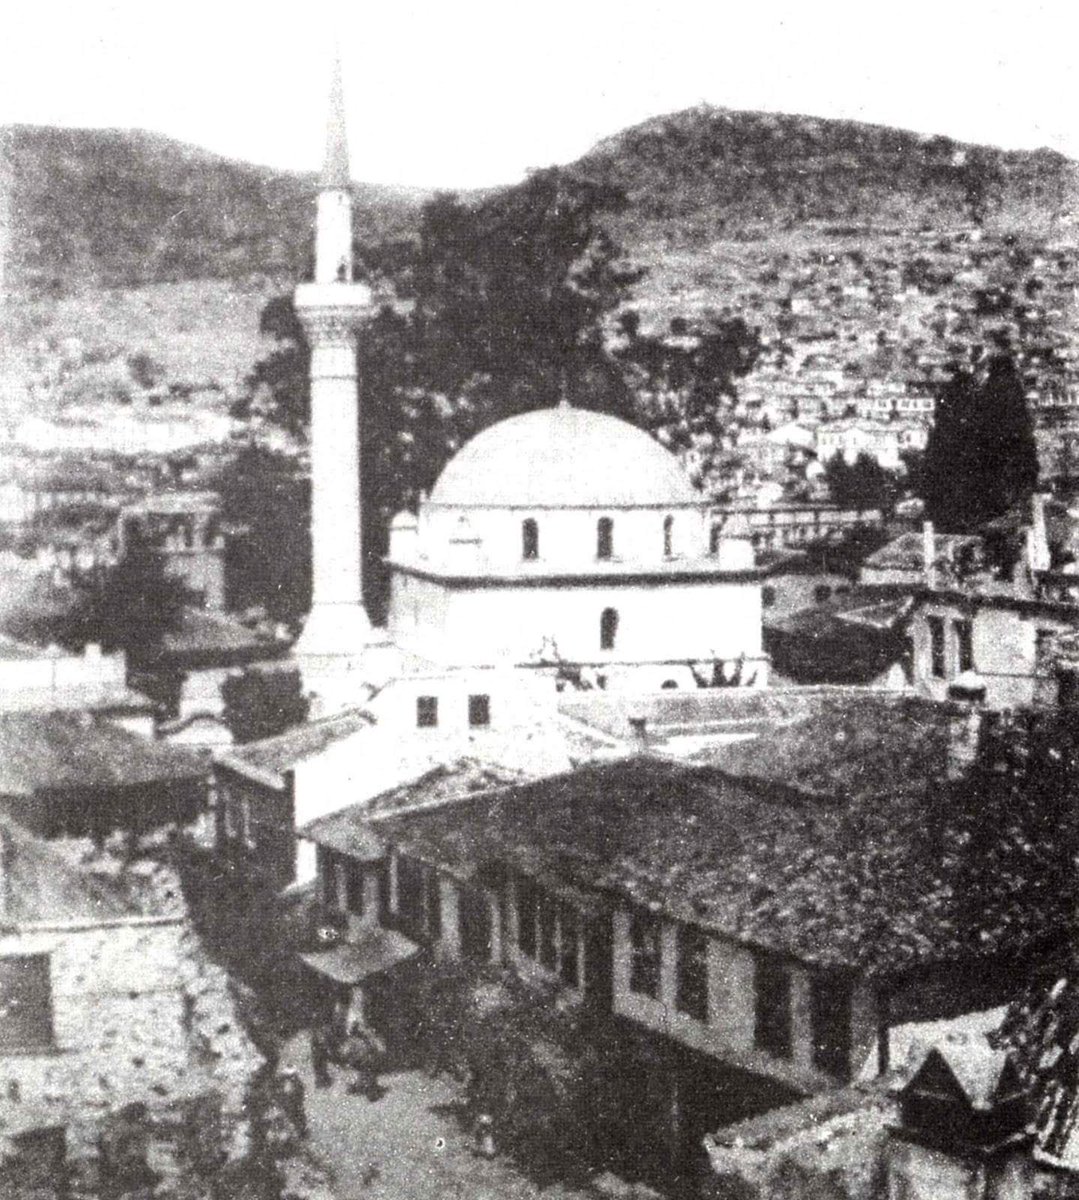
(980, 459)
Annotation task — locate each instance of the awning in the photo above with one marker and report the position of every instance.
(374, 951)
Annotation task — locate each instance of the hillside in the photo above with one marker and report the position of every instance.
(122, 208)
(711, 171)
(862, 253)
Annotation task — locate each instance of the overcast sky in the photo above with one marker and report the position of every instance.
(458, 93)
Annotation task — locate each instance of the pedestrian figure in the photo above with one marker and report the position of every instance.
(291, 1091)
(363, 1052)
(322, 1048)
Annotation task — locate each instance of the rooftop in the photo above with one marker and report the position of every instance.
(60, 751)
(272, 757)
(877, 884)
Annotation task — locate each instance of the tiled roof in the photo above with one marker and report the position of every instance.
(275, 755)
(905, 553)
(880, 884)
(345, 830)
(854, 744)
(844, 640)
(53, 752)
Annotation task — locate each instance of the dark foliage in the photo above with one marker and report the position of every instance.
(261, 704)
(861, 484)
(980, 459)
(131, 606)
(264, 497)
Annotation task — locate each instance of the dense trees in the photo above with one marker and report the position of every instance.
(981, 458)
(261, 704)
(501, 307)
(267, 501)
(863, 483)
(131, 606)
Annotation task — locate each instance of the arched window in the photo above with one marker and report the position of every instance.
(529, 539)
(668, 537)
(608, 628)
(715, 538)
(605, 538)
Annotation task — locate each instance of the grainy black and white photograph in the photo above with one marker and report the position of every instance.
(539, 601)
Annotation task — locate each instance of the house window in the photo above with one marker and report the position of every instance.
(528, 896)
(964, 645)
(529, 539)
(25, 1003)
(830, 1023)
(426, 712)
(605, 538)
(773, 1008)
(410, 892)
(668, 537)
(569, 945)
(549, 932)
(327, 874)
(644, 955)
(608, 628)
(479, 711)
(768, 596)
(419, 902)
(821, 593)
(693, 972)
(474, 914)
(353, 886)
(936, 646)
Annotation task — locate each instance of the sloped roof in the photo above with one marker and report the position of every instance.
(61, 751)
(906, 552)
(878, 884)
(344, 830)
(860, 744)
(272, 757)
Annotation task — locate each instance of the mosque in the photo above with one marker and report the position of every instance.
(562, 543)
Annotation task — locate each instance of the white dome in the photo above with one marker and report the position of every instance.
(563, 458)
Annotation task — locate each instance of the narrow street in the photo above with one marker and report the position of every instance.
(406, 1146)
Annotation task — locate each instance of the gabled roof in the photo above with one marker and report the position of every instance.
(876, 884)
(60, 751)
(975, 1071)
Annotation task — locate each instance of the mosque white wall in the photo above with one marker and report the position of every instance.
(566, 536)
(657, 621)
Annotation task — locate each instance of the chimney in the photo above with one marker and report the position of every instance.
(1037, 536)
(929, 554)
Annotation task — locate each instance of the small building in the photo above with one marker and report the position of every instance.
(111, 1016)
(75, 775)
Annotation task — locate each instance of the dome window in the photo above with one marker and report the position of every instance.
(715, 538)
(605, 538)
(668, 537)
(608, 628)
(529, 540)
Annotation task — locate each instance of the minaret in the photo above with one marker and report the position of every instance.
(333, 309)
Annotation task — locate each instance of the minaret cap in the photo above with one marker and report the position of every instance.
(335, 172)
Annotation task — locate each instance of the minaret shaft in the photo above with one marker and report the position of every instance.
(333, 309)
